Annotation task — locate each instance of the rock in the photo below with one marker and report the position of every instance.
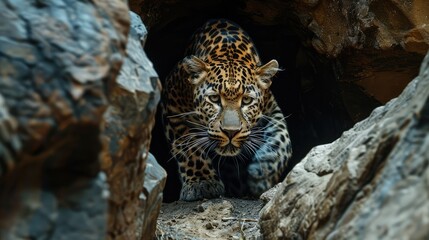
(151, 197)
(371, 183)
(10, 144)
(337, 25)
(378, 44)
(55, 57)
(270, 193)
(128, 121)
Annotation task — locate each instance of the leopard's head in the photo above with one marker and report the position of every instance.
(229, 99)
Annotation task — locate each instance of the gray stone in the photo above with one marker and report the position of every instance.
(371, 183)
(135, 185)
(151, 197)
(55, 60)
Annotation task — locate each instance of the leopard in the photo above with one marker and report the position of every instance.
(222, 122)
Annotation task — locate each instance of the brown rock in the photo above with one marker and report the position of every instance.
(372, 40)
(378, 44)
(151, 198)
(10, 143)
(372, 183)
(135, 196)
(54, 61)
(364, 24)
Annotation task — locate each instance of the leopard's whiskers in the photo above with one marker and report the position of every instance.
(180, 115)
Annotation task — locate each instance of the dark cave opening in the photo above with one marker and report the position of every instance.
(306, 89)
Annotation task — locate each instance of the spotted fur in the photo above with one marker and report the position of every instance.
(226, 130)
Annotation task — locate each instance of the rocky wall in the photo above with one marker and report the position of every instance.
(135, 185)
(55, 58)
(378, 44)
(372, 183)
(77, 102)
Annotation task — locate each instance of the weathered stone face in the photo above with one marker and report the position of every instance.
(136, 191)
(55, 59)
(370, 183)
(59, 92)
(379, 44)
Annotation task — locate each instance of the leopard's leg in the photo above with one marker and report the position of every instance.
(270, 158)
(199, 179)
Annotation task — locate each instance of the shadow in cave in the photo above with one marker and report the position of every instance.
(306, 89)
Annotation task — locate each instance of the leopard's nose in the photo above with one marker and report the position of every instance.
(230, 132)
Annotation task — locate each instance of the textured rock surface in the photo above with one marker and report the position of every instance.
(54, 59)
(378, 24)
(127, 133)
(379, 44)
(336, 25)
(151, 198)
(372, 183)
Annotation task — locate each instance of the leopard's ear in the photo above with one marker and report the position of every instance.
(266, 72)
(196, 68)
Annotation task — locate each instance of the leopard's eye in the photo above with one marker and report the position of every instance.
(246, 100)
(214, 98)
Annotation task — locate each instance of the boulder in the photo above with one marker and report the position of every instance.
(55, 58)
(371, 183)
(135, 185)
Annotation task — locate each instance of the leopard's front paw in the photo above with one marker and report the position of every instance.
(197, 190)
(258, 184)
(262, 174)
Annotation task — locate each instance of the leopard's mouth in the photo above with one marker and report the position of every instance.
(228, 147)
(228, 150)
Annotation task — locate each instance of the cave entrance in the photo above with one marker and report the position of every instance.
(306, 89)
